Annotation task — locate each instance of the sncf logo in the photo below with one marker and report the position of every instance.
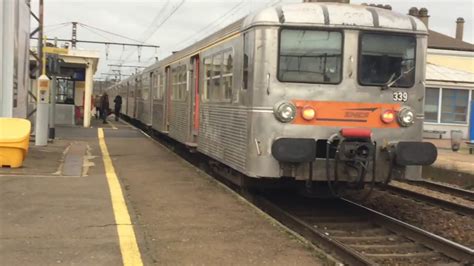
(352, 114)
(358, 112)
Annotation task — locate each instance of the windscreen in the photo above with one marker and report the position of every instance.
(310, 56)
(386, 58)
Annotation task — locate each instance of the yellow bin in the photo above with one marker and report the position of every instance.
(14, 141)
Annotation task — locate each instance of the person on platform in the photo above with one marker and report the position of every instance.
(97, 106)
(118, 106)
(104, 107)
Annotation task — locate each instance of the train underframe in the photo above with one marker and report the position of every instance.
(350, 162)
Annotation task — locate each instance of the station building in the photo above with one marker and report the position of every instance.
(449, 95)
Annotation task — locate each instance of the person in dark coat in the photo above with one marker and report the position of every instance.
(97, 107)
(118, 106)
(104, 107)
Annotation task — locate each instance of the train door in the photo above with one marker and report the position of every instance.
(168, 98)
(194, 85)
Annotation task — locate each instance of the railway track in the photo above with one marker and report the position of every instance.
(454, 191)
(435, 201)
(360, 236)
(355, 234)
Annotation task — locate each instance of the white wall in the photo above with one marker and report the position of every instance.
(14, 57)
(6, 63)
(23, 65)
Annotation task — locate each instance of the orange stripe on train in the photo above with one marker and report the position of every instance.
(345, 114)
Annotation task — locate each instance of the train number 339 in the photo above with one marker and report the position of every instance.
(400, 96)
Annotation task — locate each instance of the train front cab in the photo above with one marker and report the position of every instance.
(346, 101)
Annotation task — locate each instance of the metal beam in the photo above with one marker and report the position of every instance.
(34, 31)
(106, 43)
(115, 74)
(126, 66)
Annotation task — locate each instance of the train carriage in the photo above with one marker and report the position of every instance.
(311, 91)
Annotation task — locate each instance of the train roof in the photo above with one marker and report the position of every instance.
(335, 15)
(322, 14)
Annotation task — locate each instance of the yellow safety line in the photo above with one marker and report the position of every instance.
(112, 124)
(128, 243)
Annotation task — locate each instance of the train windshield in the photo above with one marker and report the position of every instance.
(387, 59)
(310, 56)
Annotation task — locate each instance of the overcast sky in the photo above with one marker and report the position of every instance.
(174, 24)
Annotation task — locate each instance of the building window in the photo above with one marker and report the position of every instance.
(431, 104)
(454, 106)
(65, 92)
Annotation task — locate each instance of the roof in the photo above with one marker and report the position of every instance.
(335, 14)
(438, 40)
(446, 74)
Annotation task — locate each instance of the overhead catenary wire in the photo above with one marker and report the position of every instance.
(111, 33)
(173, 11)
(150, 29)
(95, 32)
(190, 37)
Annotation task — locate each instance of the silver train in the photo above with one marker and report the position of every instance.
(315, 92)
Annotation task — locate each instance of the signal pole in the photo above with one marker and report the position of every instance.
(42, 106)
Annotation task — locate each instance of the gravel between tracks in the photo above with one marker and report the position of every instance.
(447, 224)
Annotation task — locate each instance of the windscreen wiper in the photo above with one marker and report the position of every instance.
(392, 80)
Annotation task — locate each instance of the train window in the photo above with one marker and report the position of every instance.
(310, 56)
(145, 84)
(208, 74)
(246, 62)
(138, 88)
(215, 92)
(387, 58)
(179, 83)
(158, 86)
(219, 77)
(227, 75)
(154, 85)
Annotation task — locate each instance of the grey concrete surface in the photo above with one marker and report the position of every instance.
(74, 159)
(180, 216)
(58, 220)
(185, 218)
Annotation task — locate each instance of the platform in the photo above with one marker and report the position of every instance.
(451, 167)
(62, 207)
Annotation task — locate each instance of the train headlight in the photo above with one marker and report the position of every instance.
(387, 116)
(406, 117)
(284, 111)
(308, 113)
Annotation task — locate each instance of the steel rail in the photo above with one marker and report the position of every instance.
(454, 191)
(462, 254)
(346, 252)
(448, 205)
(343, 252)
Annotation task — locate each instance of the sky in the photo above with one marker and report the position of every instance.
(175, 24)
